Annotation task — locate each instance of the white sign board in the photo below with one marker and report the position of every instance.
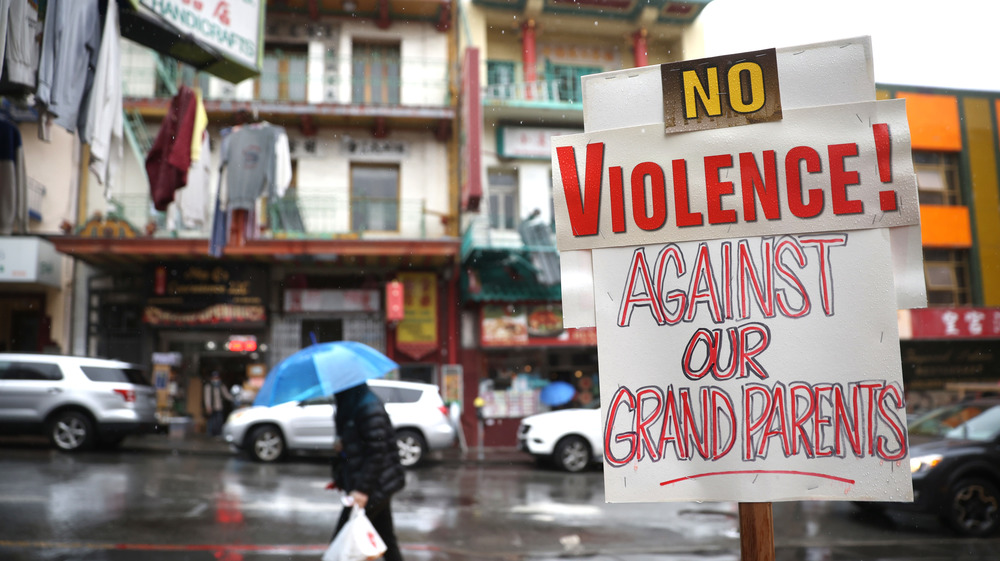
(751, 369)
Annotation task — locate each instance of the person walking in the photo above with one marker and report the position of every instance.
(215, 396)
(366, 462)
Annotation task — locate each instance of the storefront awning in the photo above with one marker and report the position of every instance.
(132, 253)
(504, 276)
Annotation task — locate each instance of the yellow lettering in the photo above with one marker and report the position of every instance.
(736, 87)
(710, 99)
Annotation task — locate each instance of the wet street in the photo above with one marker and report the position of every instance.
(162, 504)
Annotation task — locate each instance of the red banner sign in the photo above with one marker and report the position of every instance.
(956, 323)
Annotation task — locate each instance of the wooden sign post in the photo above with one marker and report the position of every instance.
(756, 532)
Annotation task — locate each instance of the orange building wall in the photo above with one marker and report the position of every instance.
(934, 122)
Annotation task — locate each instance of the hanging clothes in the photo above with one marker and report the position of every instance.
(20, 49)
(13, 179)
(70, 42)
(194, 199)
(253, 161)
(170, 157)
(105, 120)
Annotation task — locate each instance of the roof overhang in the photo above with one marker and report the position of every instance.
(133, 253)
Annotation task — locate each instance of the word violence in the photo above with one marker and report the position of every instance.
(804, 181)
(861, 419)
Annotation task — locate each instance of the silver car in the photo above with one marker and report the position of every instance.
(416, 410)
(77, 402)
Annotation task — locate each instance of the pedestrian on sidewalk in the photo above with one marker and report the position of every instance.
(215, 396)
(366, 462)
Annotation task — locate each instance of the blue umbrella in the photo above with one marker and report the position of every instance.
(557, 393)
(323, 369)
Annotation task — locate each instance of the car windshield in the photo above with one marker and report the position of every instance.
(969, 421)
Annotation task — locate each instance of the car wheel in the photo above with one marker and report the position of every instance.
(71, 431)
(572, 454)
(973, 507)
(411, 447)
(266, 444)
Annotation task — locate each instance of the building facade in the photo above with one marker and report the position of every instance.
(522, 63)
(363, 99)
(956, 156)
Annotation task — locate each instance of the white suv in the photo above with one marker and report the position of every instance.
(416, 410)
(77, 402)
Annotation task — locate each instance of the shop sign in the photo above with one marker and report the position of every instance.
(375, 149)
(29, 260)
(744, 298)
(221, 37)
(528, 142)
(193, 286)
(394, 301)
(470, 134)
(955, 323)
(530, 326)
(231, 26)
(314, 300)
(932, 365)
(417, 332)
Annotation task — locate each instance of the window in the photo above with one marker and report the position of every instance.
(29, 371)
(567, 78)
(375, 70)
(283, 76)
(937, 178)
(374, 197)
(499, 72)
(946, 273)
(120, 375)
(502, 202)
(389, 394)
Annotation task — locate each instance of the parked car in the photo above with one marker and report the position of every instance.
(77, 402)
(570, 438)
(416, 410)
(955, 464)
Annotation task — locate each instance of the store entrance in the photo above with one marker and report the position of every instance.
(203, 353)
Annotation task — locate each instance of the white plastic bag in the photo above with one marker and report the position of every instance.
(356, 541)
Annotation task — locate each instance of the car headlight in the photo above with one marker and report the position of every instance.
(925, 463)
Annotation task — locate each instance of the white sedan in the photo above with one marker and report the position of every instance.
(571, 438)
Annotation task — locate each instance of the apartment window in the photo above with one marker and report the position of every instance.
(283, 75)
(375, 73)
(937, 178)
(502, 202)
(500, 72)
(947, 274)
(374, 197)
(567, 79)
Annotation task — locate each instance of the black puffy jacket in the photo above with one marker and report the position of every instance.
(369, 461)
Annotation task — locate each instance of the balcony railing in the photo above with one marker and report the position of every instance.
(303, 215)
(543, 92)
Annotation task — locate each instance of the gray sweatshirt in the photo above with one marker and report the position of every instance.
(70, 43)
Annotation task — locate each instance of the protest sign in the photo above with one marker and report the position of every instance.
(743, 286)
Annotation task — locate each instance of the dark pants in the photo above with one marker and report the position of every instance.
(215, 422)
(381, 518)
